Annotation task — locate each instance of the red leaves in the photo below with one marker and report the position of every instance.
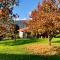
(34, 14)
(1, 0)
(39, 7)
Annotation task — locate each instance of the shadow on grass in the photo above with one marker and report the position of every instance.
(56, 41)
(27, 57)
(19, 42)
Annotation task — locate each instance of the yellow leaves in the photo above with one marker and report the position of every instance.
(39, 49)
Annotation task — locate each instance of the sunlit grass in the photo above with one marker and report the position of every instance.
(18, 46)
(15, 50)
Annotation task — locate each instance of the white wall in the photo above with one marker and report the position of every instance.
(21, 34)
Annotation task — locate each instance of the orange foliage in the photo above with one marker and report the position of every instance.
(47, 20)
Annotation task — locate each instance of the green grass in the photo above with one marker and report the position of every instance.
(15, 50)
(27, 57)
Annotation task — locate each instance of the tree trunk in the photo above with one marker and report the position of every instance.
(15, 37)
(41, 37)
(50, 38)
(50, 42)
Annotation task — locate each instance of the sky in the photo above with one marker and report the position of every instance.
(25, 8)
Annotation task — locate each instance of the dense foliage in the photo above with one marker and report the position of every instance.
(6, 22)
(45, 20)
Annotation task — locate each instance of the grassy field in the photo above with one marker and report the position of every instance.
(15, 50)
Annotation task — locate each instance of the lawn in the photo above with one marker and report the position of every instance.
(15, 50)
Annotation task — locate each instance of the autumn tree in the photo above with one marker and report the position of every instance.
(45, 20)
(6, 7)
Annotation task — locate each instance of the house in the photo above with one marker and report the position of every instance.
(22, 23)
(23, 32)
(23, 29)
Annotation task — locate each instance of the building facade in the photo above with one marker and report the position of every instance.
(22, 28)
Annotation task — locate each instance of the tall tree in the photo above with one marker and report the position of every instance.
(46, 21)
(6, 7)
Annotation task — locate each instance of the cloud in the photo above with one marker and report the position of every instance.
(30, 18)
(16, 19)
(24, 19)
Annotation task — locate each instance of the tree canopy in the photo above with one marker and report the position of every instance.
(6, 22)
(45, 19)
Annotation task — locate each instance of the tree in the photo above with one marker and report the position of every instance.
(46, 21)
(6, 7)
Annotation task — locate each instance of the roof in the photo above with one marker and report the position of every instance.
(24, 30)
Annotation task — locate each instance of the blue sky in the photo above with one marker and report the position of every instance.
(25, 7)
